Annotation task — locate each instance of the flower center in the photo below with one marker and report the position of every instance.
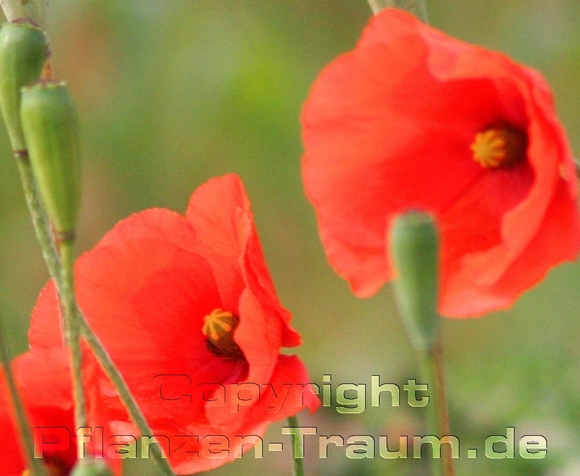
(219, 327)
(498, 147)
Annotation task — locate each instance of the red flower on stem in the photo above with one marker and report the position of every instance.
(43, 378)
(187, 310)
(415, 120)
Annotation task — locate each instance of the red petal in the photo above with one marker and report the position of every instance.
(141, 291)
(557, 240)
(287, 393)
(388, 129)
(47, 398)
(219, 212)
(145, 290)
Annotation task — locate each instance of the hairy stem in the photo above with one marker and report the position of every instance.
(298, 468)
(431, 363)
(35, 464)
(55, 268)
(120, 385)
(71, 323)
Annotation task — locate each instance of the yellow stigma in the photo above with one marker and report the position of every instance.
(219, 327)
(499, 147)
(218, 323)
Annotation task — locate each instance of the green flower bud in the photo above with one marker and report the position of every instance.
(91, 467)
(23, 51)
(414, 248)
(51, 129)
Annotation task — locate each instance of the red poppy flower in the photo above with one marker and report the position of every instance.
(415, 120)
(187, 310)
(43, 378)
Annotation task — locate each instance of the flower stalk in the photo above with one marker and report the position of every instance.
(298, 468)
(35, 464)
(61, 270)
(22, 61)
(72, 331)
(50, 128)
(414, 247)
(431, 370)
(122, 389)
(56, 270)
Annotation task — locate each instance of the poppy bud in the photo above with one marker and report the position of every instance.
(23, 51)
(91, 467)
(51, 129)
(414, 247)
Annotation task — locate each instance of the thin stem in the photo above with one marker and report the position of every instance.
(428, 376)
(123, 390)
(53, 260)
(442, 413)
(63, 275)
(39, 218)
(67, 294)
(416, 7)
(35, 464)
(431, 364)
(298, 469)
(414, 243)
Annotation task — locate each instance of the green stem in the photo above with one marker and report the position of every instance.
(123, 390)
(414, 244)
(62, 272)
(296, 448)
(39, 218)
(416, 7)
(431, 364)
(35, 464)
(442, 409)
(67, 294)
(49, 251)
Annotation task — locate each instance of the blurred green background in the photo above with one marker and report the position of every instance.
(173, 92)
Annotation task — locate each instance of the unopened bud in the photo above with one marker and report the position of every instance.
(414, 248)
(91, 467)
(51, 129)
(23, 51)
